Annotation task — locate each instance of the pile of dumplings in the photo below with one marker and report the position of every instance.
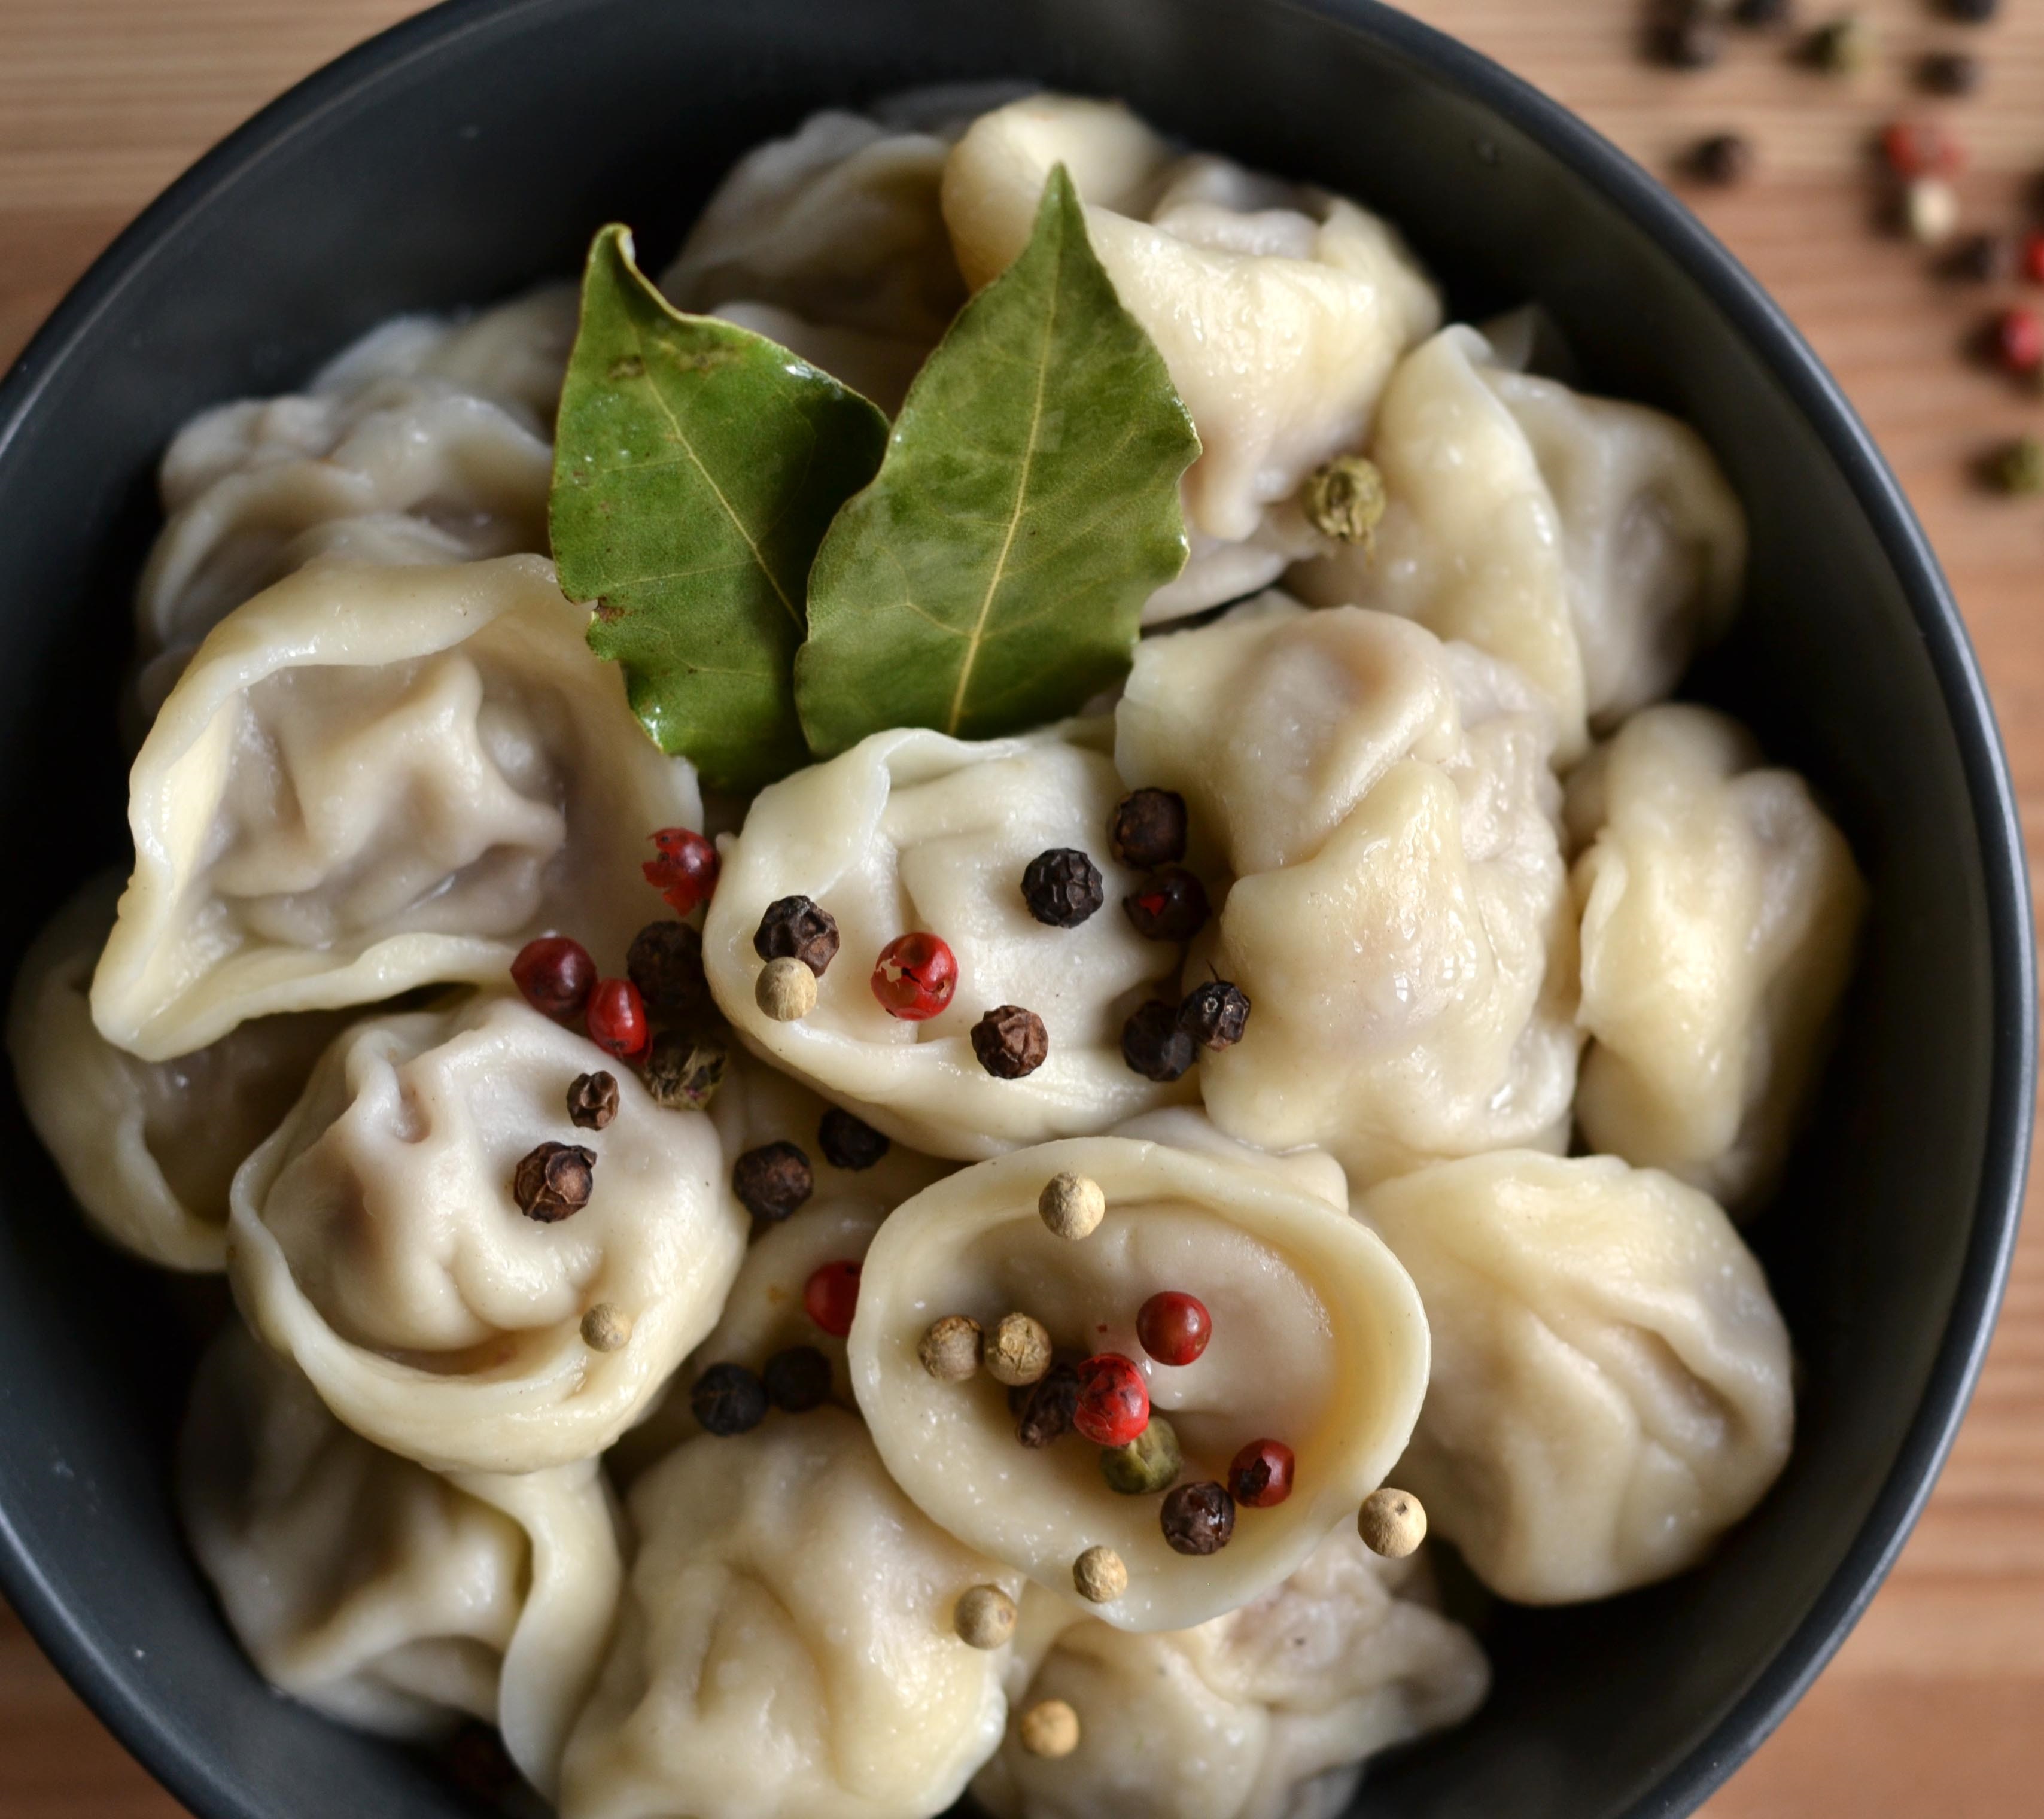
(1539, 966)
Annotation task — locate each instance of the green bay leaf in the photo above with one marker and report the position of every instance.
(993, 575)
(697, 465)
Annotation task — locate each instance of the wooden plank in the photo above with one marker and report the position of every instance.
(1936, 1704)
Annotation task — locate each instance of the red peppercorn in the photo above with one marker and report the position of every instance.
(2018, 339)
(830, 1296)
(686, 871)
(915, 976)
(1259, 1477)
(1174, 1328)
(617, 1019)
(2033, 256)
(1114, 1402)
(1921, 148)
(555, 974)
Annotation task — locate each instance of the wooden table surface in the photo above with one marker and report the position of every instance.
(1936, 1704)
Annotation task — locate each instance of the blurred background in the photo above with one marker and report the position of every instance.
(1935, 1706)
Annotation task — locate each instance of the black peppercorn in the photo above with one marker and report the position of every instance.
(593, 1100)
(1048, 1406)
(684, 1072)
(1763, 12)
(1198, 1518)
(1169, 905)
(1215, 1014)
(849, 1142)
(553, 1181)
(1062, 888)
(795, 928)
(1724, 158)
(772, 1181)
(1692, 42)
(728, 1399)
(665, 963)
(1949, 72)
(1153, 1044)
(1972, 12)
(1010, 1042)
(1983, 258)
(798, 1379)
(1149, 828)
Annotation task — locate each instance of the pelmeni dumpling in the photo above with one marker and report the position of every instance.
(1267, 1713)
(912, 830)
(375, 1240)
(146, 1148)
(786, 1648)
(762, 1314)
(1399, 921)
(1652, 534)
(1720, 911)
(370, 779)
(389, 1598)
(1594, 544)
(1471, 543)
(1611, 1385)
(1319, 1340)
(427, 441)
(1280, 310)
(839, 222)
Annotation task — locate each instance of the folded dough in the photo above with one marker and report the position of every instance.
(1611, 1385)
(1267, 1713)
(1319, 1341)
(1720, 910)
(373, 779)
(148, 1148)
(389, 1598)
(785, 1648)
(375, 1240)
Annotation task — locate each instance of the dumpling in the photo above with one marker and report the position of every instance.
(389, 1598)
(1280, 310)
(427, 441)
(763, 1314)
(1399, 919)
(1266, 1713)
(839, 223)
(1471, 544)
(1318, 1341)
(376, 1240)
(878, 366)
(370, 779)
(1594, 543)
(786, 1649)
(146, 1148)
(1719, 911)
(1611, 1387)
(911, 830)
(1652, 535)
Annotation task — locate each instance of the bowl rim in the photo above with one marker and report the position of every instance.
(106, 1679)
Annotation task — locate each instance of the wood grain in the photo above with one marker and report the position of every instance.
(1936, 1704)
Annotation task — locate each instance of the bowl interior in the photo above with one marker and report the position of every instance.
(475, 150)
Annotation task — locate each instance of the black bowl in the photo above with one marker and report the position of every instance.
(474, 149)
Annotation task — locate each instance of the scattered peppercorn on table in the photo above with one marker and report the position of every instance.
(1935, 1704)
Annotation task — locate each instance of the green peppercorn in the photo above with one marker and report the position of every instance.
(1150, 1463)
(1345, 499)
